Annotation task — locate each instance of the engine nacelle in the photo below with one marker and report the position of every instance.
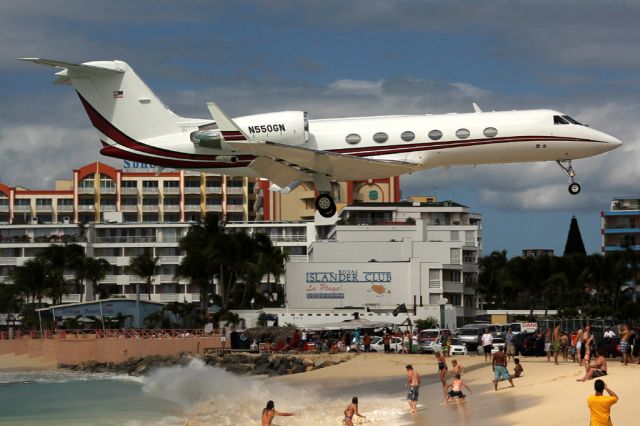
(227, 158)
(286, 127)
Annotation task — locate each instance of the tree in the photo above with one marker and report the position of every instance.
(144, 266)
(30, 280)
(574, 242)
(57, 259)
(94, 270)
(492, 277)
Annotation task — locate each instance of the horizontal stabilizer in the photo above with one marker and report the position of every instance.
(109, 66)
(230, 130)
(337, 166)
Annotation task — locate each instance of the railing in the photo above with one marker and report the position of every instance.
(191, 189)
(86, 190)
(107, 208)
(8, 261)
(434, 283)
(150, 208)
(63, 208)
(86, 208)
(235, 190)
(214, 207)
(213, 190)
(126, 239)
(169, 259)
(21, 209)
(153, 190)
(235, 208)
(107, 334)
(353, 221)
(171, 208)
(170, 190)
(108, 190)
(128, 190)
(4, 207)
(192, 207)
(42, 208)
(128, 208)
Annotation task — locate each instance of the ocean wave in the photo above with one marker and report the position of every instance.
(59, 376)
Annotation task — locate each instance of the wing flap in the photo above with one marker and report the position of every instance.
(278, 173)
(338, 166)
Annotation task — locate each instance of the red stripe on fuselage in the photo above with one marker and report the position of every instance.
(113, 151)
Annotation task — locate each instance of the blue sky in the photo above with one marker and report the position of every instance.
(349, 58)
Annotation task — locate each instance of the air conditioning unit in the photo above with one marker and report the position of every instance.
(66, 220)
(34, 220)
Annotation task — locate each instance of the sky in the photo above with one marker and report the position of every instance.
(349, 58)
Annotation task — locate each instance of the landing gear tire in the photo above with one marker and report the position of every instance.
(574, 188)
(325, 205)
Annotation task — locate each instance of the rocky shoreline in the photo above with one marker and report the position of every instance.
(241, 363)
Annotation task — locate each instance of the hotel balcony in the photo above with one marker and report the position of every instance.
(192, 207)
(8, 261)
(4, 208)
(235, 208)
(434, 284)
(169, 297)
(107, 207)
(44, 209)
(170, 208)
(128, 191)
(64, 209)
(167, 260)
(86, 190)
(213, 190)
(170, 190)
(22, 209)
(152, 190)
(109, 279)
(108, 190)
(150, 208)
(86, 208)
(192, 190)
(129, 208)
(452, 287)
(235, 190)
(214, 207)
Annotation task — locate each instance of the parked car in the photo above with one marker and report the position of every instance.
(431, 340)
(609, 347)
(395, 344)
(457, 347)
(470, 336)
(498, 344)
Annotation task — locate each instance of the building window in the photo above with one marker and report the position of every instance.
(353, 138)
(86, 183)
(171, 184)
(408, 136)
(435, 135)
(129, 184)
(43, 201)
(462, 133)
(65, 201)
(380, 137)
(149, 183)
(490, 132)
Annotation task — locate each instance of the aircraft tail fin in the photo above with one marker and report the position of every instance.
(116, 99)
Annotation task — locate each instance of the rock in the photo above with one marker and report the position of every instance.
(309, 368)
(307, 361)
(297, 368)
(239, 368)
(319, 363)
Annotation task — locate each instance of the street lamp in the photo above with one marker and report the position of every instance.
(442, 302)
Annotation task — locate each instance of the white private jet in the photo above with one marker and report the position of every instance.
(287, 148)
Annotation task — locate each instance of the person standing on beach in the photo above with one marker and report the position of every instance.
(487, 343)
(623, 331)
(509, 339)
(350, 411)
(600, 405)
(586, 341)
(547, 343)
(413, 382)
(386, 339)
(555, 344)
(499, 364)
(223, 336)
(269, 412)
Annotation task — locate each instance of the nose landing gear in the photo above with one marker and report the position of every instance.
(565, 165)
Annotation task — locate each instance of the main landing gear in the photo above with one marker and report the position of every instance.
(325, 205)
(565, 165)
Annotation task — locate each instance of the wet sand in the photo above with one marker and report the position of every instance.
(12, 362)
(547, 394)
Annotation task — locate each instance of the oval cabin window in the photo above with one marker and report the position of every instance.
(353, 138)
(380, 137)
(490, 132)
(407, 136)
(462, 133)
(435, 135)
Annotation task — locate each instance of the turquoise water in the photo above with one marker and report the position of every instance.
(65, 398)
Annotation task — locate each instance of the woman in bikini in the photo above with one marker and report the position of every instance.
(350, 411)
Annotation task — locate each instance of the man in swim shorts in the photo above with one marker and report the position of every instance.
(413, 382)
(499, 364)
(623, 331)
(456, 389)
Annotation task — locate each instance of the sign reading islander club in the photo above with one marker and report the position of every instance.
(331, 285)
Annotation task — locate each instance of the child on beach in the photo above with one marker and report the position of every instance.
(457, 368)
(456, 389)
(517, 370)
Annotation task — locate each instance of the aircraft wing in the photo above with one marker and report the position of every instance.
(338, 166)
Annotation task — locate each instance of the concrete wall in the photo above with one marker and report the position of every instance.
(74, 351)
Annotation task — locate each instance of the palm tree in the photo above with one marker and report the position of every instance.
(58, 258)
(144, 266)
(492, 277)
(95, 270)
(30, 280)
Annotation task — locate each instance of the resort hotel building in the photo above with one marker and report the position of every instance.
(375, 254)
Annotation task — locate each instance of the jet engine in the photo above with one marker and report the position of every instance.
(285, 127)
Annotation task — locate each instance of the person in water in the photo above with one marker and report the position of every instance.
(269, 412)
(456, 389)
(413, 382)
(350, 411)
(442, 368)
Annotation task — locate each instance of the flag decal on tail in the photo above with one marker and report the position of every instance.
(118, 94)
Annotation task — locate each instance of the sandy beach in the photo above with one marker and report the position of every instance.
(23, 362)
(547, 394)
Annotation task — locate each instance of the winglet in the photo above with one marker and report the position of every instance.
(230, 130)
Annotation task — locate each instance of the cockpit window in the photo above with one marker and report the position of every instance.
(559, 120)
(571, 120)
